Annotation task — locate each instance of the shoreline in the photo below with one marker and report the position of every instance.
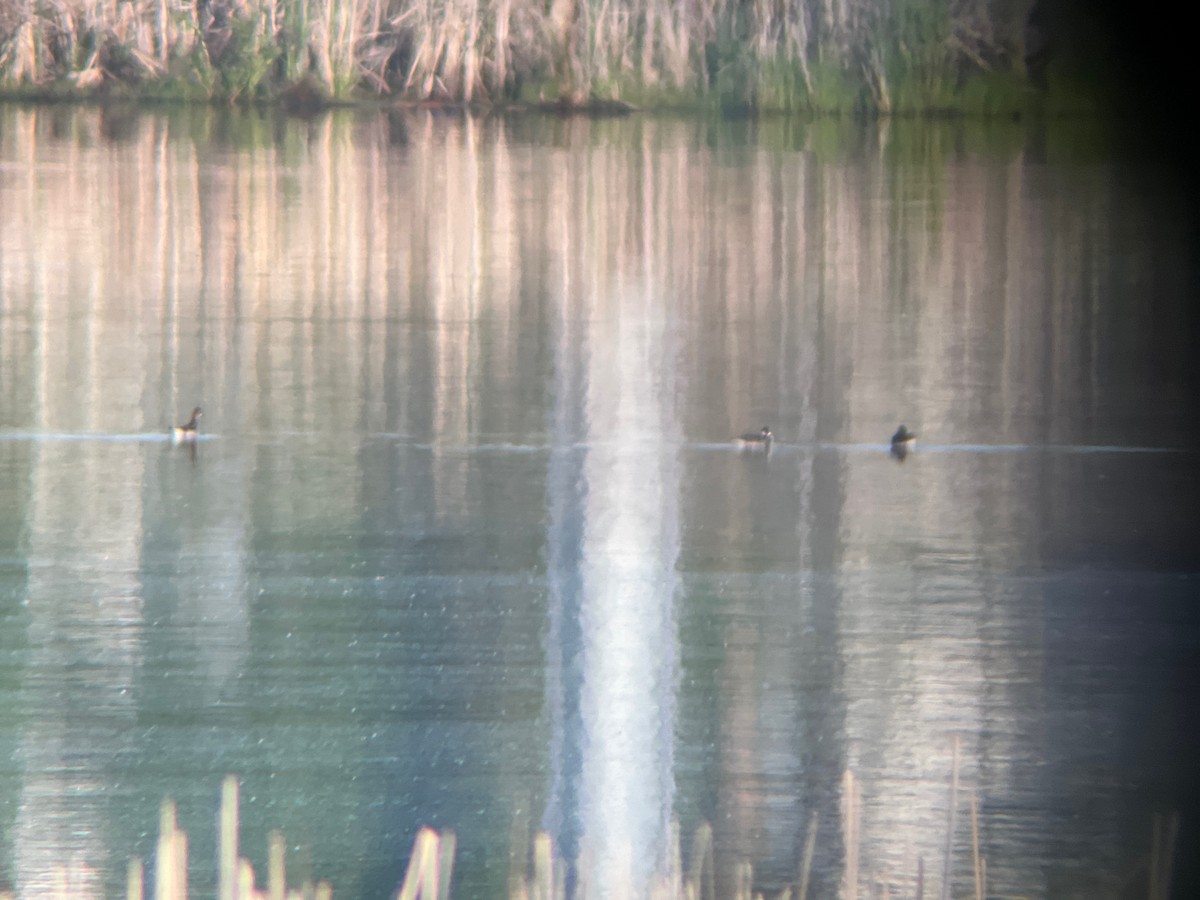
(310, 103)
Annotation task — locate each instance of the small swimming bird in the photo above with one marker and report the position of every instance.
(187, 431)
(756, 441)
(903, 441)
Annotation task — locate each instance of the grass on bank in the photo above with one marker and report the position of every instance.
(903, 57)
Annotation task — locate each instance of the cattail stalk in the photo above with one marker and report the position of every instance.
(951, 814)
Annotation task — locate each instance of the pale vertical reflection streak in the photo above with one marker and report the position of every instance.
(564, 545)
(631, 542)
(85, 609)
(455, 287)
(614, 533)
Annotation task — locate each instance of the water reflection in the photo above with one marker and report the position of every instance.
(466, 537)
(613, 544)
(85, 639)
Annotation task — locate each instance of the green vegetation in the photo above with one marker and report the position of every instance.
(757, 56)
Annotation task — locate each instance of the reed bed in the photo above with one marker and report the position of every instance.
(758, 54)
(538, 873)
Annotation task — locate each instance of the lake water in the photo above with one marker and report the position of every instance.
(465, 540)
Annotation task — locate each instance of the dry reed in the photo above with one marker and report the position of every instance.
(135, 878)
(227, 841)
(170, 860)
(468, 50)
(276, 872)
(810, 844)
(429, 869)
(851, 811)
(701, 881)
(1164, 833)
(951, 815)
(428, 875)
(980, 862)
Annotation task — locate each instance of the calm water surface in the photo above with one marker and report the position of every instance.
(466, 542)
